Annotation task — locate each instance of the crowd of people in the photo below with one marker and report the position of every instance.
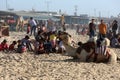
(105, 31)
(44, 42)
(47, 39)
(22, 45)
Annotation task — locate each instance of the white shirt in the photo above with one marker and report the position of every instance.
(32, 22)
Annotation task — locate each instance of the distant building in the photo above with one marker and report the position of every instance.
(71, 19)
(43, 15)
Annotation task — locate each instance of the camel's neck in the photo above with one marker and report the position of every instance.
(70, 51)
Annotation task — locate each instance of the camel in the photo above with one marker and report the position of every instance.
(20, 23)
(86, 49)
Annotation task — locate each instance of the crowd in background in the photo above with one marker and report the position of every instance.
(104, 31)
(46, 40)
(47, 35)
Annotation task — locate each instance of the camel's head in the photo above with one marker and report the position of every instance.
(66, 38)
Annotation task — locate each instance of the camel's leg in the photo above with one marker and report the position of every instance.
(112, 57)
(16, 26)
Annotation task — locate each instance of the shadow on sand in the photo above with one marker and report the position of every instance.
(66, 60)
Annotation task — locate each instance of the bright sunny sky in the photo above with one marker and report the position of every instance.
(106, 8)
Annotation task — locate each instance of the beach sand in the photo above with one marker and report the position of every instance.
(27, 66)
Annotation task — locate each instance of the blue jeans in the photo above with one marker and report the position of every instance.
(92, 34)
(48, 47)
(33, 29)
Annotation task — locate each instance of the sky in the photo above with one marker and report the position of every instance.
(103, 8)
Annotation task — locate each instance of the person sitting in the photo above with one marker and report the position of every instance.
(39, 36)
(44, 28)
(4, 45)
(12, 46)
(109, 35)
(20, 48)
(41, 49)
(26, 42)
(53, 41)
(115, 43)
(47, 45)
(61, 47)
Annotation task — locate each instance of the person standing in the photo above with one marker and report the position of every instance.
(62, 20)
(102, 30)
(64, 27)
(92, 29)
(114, 27)
(77, 29)
(100, 48)
(49, 24)
(33, 24)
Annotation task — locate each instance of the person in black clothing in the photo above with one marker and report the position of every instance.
(92, 29)
(47, 45)
(114, 27)
(39, 36)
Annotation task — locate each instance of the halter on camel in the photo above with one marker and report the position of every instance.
(67, 39)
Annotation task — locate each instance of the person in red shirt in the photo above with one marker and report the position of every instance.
(12, 46)
(4, 45)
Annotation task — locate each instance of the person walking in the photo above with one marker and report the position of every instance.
(33, 24)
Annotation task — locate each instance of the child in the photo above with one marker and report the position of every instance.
(27, 43)
(53, 41)
(4, 45)
(28, 28)
(41, 48)
(21, 48)
(61, 47)
(12, 46)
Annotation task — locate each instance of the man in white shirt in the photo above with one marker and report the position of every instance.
(33, 24)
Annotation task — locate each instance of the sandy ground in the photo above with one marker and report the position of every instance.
(28, 66)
